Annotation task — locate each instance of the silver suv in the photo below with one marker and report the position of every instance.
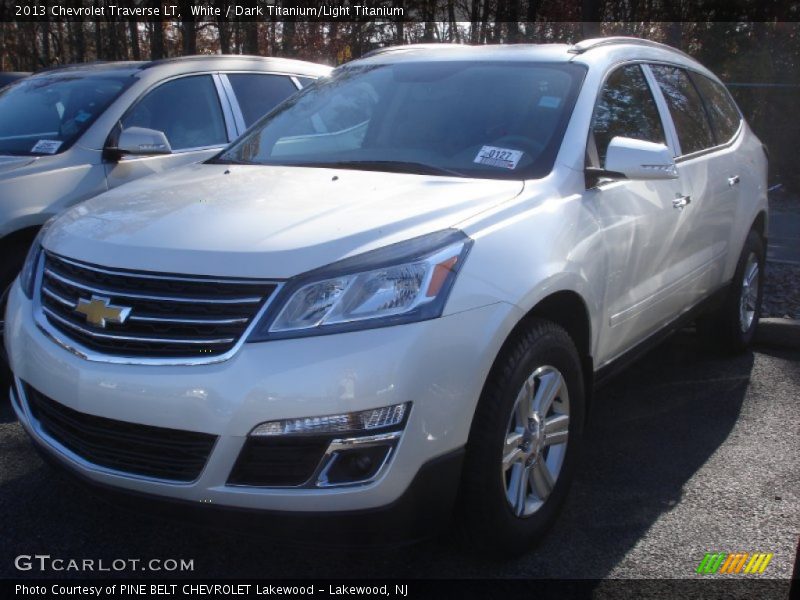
(70, 133)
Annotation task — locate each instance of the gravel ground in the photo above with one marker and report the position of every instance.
(781, 291)
(782, 285)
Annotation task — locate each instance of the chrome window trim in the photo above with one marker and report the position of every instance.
(85, 353)
(130, 157)
(236, 110)
(228, 111)
(64, 453)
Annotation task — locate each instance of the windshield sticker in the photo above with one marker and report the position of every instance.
(498, 157)
(549, 101)
(46, 147)
(83, 116)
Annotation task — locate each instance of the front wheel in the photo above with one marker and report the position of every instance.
(524, 441)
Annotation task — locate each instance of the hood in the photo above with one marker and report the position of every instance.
(9, 163)
(263, 221)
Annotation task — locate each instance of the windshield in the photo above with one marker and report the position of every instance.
(45, 115)
(498, 120)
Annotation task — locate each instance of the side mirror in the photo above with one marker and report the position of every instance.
(636, 159)
(142, 141)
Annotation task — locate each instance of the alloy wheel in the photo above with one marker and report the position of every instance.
(748, 299)
(536, 441)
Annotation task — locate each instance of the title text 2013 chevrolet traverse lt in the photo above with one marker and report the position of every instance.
(392, 297)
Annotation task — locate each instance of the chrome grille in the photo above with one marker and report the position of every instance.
(171, 316)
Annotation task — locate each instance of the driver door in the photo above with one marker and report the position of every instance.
(640, 225)
(189, 112)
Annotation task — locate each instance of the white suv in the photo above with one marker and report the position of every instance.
(392, 298)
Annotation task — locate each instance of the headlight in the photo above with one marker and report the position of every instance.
(27, 277)
(401, 283)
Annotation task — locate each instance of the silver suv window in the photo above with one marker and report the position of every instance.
(724, 115)
(626, 108)
(187, 110)
(686, 108)
(258, 94)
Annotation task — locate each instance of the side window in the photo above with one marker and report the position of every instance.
(624, 108)
(686, 108)
(259, 94)
(724, 115)
(187, 110)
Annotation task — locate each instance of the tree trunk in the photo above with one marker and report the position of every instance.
(77, 41)
(224, 36)
(513, 22)
(189, 37)
(157, 41)
(133, 30)
(287, 42)
(399, 37)
(45, 58)
(591, 14)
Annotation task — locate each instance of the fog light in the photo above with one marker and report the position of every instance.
(365, 421)
(356, 465)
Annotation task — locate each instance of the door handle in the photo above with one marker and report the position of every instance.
(680, 202)
(732, 181)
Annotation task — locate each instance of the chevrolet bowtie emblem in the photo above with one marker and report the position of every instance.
(99, 311)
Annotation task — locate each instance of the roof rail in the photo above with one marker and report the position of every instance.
(69, 66)
(407, 47)
(201, 57)
(591, 44)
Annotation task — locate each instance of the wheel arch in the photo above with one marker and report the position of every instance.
(760, 225)
(569, 310)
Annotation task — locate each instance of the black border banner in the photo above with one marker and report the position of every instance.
(500, 11)
(532, 589)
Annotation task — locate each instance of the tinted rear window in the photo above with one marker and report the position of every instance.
(724, 115)
(259, 94)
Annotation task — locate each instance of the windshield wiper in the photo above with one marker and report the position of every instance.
(230, 161)
(390, 166)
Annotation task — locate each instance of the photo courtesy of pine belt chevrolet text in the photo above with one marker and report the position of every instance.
(386, 305)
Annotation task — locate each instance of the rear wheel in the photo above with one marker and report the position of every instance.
(524, 441)
(733, 325)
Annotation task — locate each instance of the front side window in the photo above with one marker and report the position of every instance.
(258, 94)
(625, 108)
(724, 115)
(686, 108)
(474, 119)
(47, 114)
(187, 110)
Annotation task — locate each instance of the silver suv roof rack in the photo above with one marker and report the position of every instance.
(590, 44)
(411, 47)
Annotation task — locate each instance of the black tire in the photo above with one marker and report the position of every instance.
(486, 516)
(12, 263)
(724, 327)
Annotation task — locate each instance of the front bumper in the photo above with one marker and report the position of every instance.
(439, 366)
